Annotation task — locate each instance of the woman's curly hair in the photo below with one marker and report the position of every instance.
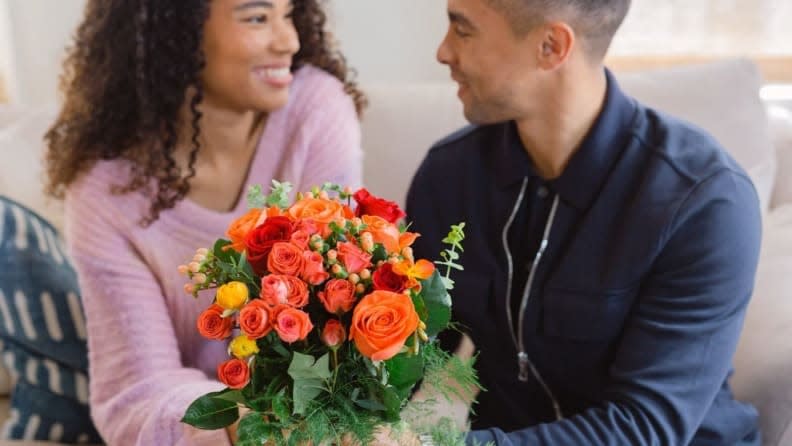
(126, 79)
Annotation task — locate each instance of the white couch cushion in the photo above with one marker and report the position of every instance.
(21, 149)
(723, 98)
(781, 128)
(763, 363)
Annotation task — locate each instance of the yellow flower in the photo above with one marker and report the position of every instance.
(232, 296)
(242, 347)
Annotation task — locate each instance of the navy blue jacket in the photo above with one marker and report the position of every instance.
(637, 303)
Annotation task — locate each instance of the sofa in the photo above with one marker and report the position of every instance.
(404, 120)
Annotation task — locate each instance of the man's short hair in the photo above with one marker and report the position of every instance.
(595, 21)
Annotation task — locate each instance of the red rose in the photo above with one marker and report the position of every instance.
(386, 280)
(370, 205)
(259, 242)
(234, 373)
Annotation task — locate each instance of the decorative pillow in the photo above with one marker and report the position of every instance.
(42, 332)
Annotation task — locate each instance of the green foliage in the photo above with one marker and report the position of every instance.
(310, 379)
(279, 195)
(211, 412)
(450, 256)
(437, 304)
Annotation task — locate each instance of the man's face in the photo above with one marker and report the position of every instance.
(495, 69)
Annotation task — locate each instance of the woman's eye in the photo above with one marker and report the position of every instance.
(258, 19)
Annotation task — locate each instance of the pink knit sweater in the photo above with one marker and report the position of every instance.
(147, 361)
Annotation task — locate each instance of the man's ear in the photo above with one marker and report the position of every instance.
(557, 42)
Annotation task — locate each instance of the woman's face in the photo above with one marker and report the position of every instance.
(249, 46)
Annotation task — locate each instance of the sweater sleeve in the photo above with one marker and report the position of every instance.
(139, 388)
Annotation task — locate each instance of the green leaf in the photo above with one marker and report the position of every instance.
(210, 412)
(404, 370)
(280, 406)
(309, 377)
(255, 430)
(379, 253)
(279, 195)
(371, 405)
(235, 396)
(224, 255)
(307, 367)
(393, 404)
(255, 197)
(438, 304)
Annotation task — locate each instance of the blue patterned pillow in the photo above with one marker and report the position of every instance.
(42, 332)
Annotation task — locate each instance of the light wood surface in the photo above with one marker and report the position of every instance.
(775, 69)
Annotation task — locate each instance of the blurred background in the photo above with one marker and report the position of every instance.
(394, 40)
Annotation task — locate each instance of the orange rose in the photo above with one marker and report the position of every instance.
(381, 323)
(383, 232)
(239, 229)
(291, 324)
(354, 259)
(313, 268)
(234, 373)
(321, 212)
(279, 289)
(333, 334)
(285, 258)
(254, 319)
(338, 296)
(212, 324)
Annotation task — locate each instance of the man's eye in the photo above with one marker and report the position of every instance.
(460, 33)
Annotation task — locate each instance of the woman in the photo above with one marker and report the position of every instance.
(173, 108)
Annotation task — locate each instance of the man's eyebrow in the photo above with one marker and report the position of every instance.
(254, 4)
(459, 18)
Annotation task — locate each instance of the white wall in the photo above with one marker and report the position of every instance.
(395, 40)
(391, 40)
(40, 31)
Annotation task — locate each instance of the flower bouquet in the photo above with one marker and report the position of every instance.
(331, 320)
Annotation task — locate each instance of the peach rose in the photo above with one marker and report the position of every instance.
(383, 232)
(234, 373)
(338, 296)
(212, 324)
(354, 259)
(300, 239)
(291, 324)
(313, 268)
(333, 334)
(254, 319)
(285, 258)
(321, 212)
(279, 289)
(381, 323)
(239, 229)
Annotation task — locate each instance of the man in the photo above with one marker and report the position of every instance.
(611, 249)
